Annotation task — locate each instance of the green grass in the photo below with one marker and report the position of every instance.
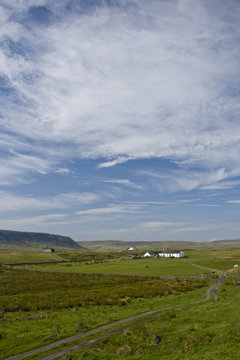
(140, 267)
(33, 290)
(208, 331)
(222, 259)
(91, 255)
(24, 256)
(40, 307)
(37, 308)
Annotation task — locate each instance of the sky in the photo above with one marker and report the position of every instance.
(119, 120)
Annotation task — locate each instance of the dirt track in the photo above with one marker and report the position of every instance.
(212, 291)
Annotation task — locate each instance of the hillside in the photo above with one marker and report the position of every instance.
(117, 245)
(20, 238)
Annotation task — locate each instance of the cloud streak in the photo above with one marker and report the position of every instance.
(11, 202)
(152, 80)
(122, 113)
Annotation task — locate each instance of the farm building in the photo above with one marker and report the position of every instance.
(147, 254)
(48, 250)
(152, 254)
(132, 248)
(172, 254)
(135, 256)
(169, 254)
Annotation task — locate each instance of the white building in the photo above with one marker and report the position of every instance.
(147, 254)
(169, 254)
(48, 250)
(172, 254)
(132, 248)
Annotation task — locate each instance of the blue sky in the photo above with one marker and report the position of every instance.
(120, 119)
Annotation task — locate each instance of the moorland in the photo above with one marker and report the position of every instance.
(54, 296)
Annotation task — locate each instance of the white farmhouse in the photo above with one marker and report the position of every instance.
(48, 250)
(147, 254)
(169, 254)
(132, 248)
(172, 254)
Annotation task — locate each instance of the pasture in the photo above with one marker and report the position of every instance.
(160, 266)
(37, 308)
(208, 331)
(11, 255)
(42, 303)
(222, 259)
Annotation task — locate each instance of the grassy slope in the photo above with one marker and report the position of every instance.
(208, 331)
(20, 256)
(49, 306)
(220, 259)
(196, 333)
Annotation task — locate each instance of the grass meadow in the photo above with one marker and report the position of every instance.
(44, 303)
(37, 308)
(208, 331)
(222, 259)
(20, 255)
(149, 267)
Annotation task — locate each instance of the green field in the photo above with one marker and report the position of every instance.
(139, 267)
(208, 331)
(38, 307)
(63, 299)
(92, 255)
(220, 259)
(20, 255)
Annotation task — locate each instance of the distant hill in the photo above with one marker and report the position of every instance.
(117, 245)
(20, 238)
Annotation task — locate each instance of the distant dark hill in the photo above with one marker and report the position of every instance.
(20, 238)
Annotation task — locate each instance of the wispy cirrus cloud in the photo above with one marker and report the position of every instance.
(111, 210)
(154, 79)
(158, 225)
(187, 179)
(37, 222)
(12, 202)
(124, 182)
(116, 110)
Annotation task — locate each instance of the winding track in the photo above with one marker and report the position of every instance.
(212, 291)
(202, 266)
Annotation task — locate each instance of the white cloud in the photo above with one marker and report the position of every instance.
(156, 80)
(221, 185)
(149, 202)
(158, 225)
(188, 180)
(15, 167)
(110, 210)
(206, 205)
(11, 202)
(63, 171)
(125, 182)
(119, 160)
(35, 221)
(177, 228)
(183, 201)
(200, 227)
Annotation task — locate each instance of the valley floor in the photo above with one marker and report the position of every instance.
(38, 308)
